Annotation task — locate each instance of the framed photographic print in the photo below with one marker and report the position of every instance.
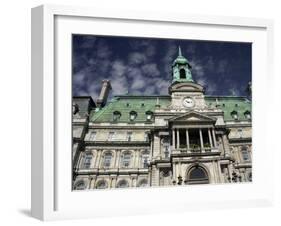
(138, 112)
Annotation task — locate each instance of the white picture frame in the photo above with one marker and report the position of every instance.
(52, 197)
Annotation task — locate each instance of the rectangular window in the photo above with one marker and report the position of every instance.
(110, 136)
(245, 155)
(87, 161)
(107, 160)
(93, 136)
(145, 162)
(129, 136)
(126, 160)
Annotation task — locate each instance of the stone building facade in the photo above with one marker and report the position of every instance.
(183, 138)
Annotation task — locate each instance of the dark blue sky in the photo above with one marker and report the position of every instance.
(143, 65)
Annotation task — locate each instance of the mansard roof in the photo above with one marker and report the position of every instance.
(229, 104)
(143, 104)
(128, 103)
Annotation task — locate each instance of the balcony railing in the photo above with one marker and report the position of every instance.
(195, 149)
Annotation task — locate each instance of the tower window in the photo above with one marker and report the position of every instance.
(182, 74)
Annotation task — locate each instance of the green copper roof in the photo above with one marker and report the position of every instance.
(126, 104)
(142, 104)
(180, 59)
(181, 69)
(229, 104)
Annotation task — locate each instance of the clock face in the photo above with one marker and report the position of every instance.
(188, 102)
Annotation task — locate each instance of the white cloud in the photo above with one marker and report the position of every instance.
(138, 83)
(197, 68)
(150, 70)
(118, 68)
(136, 58)
(119, 85)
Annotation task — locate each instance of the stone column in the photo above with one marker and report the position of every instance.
(201, 140)
(178, 138)
(113, 181)
(136, 158)
(210, 138)
(174, 171)
(187, 139)
(117, 159)
(155, 176)
(214, 136)
(174, 138)
(98, 159)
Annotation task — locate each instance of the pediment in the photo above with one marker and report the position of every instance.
(192, 116)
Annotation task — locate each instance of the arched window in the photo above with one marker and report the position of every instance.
(126, 159)
(197, 175)
(107, 159)
(122, 184)
(143, 183)
(133, 115)
(182, 74)
(102, 184)
(87, 160)
(149, 115)
(116, 116)
(80, 185)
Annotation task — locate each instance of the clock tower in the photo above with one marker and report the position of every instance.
(185, 93)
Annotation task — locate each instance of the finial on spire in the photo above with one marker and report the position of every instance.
(180, 51)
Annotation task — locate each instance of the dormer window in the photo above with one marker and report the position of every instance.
(75, 108)
(116, 116)
(149, 115)
(234, 115)
(247, 115)
(133, 115)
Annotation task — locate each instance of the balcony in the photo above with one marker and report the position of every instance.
(195, 149)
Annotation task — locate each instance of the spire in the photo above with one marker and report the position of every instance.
(180, 51)
(181, 69)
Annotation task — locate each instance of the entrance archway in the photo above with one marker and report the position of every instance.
(197, 175)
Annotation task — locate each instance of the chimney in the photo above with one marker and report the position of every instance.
(105, 89)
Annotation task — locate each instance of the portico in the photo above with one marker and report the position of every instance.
(195, 139)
